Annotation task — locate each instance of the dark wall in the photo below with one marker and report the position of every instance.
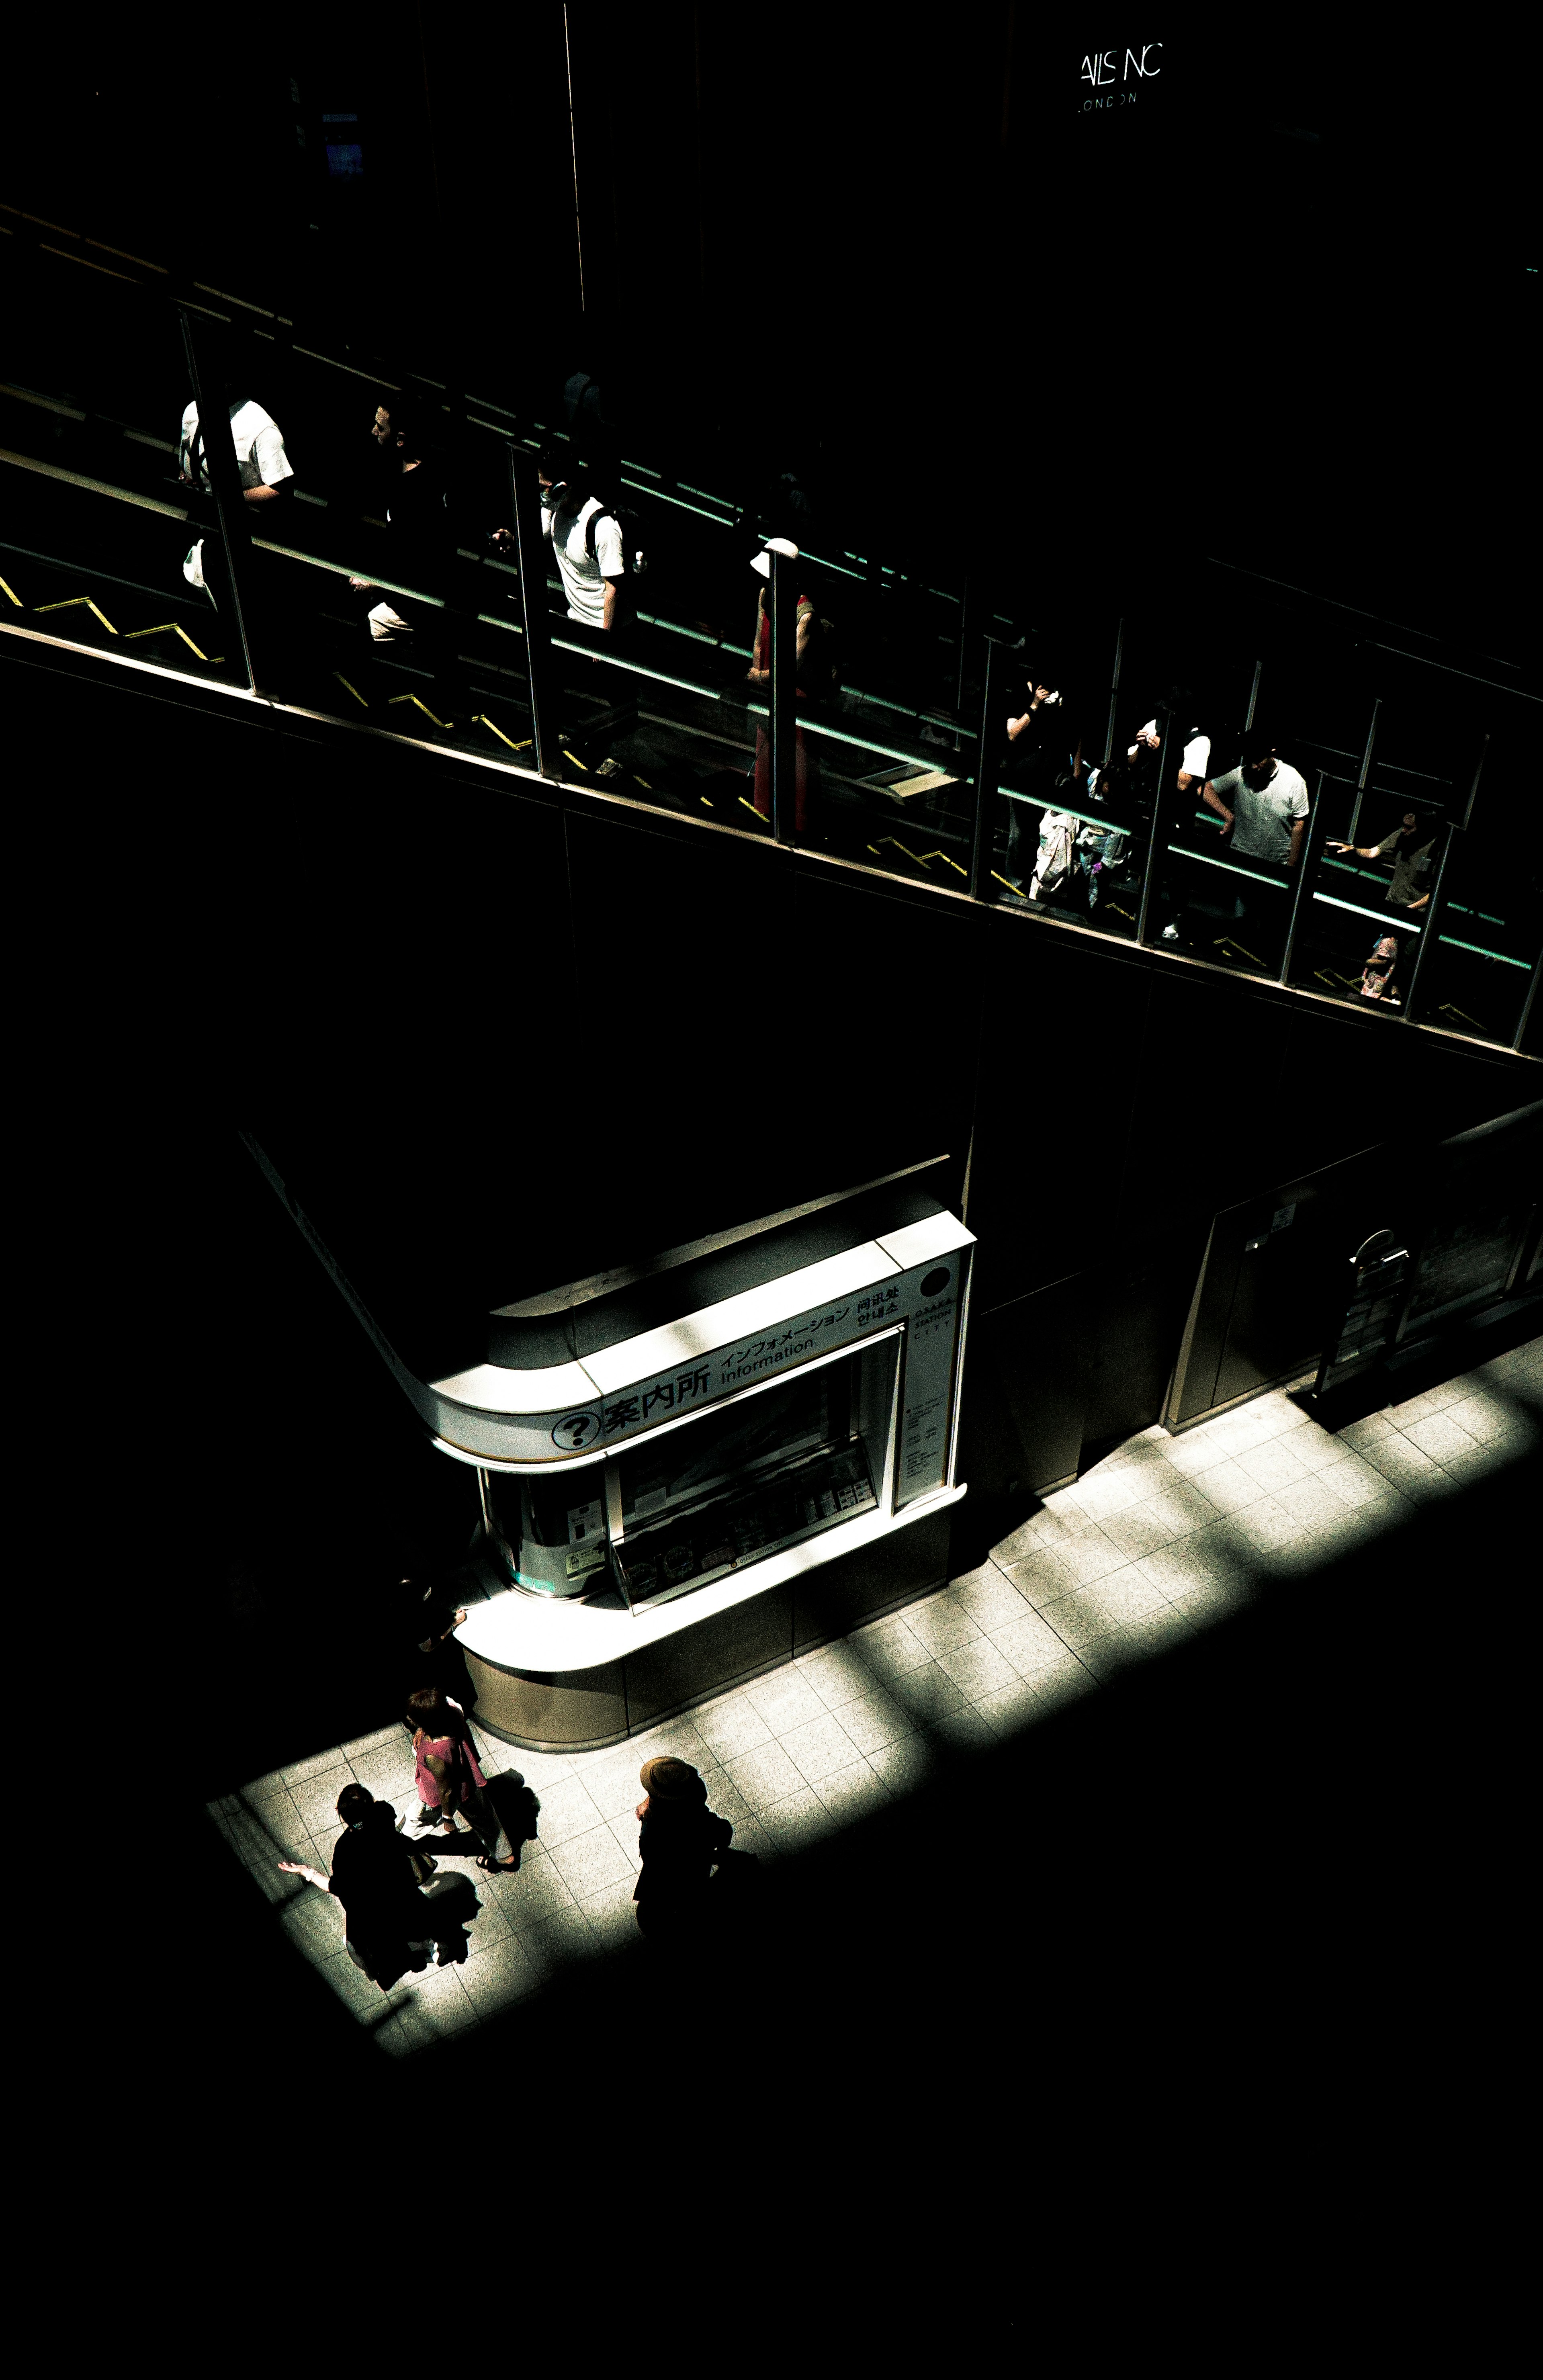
(1199, 324)
(502, 1034)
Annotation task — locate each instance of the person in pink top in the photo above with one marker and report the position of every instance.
(449, 1779)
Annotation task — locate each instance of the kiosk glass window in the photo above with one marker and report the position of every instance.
(732, 1487)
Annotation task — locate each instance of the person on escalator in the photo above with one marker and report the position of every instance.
(1033, 736)
(815, 682)
(1411, 848)
(267, 478)
(418, 515)
(1263, 807)
(587, 543)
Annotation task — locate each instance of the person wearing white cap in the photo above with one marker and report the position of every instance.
(811, 659)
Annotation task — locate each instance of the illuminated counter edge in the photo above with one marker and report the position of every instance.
(563, 1637)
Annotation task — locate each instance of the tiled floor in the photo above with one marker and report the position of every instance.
(1160, 1539)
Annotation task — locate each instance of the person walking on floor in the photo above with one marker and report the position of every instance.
(390, 1925)
(450, 1779)
(679, 1840)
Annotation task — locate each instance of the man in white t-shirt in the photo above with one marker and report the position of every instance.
(592, 583)
(1194, 761)
(1263, 809)
(574, 520)
(265, 467)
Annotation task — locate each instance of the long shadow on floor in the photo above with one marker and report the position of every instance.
(1247, 1858)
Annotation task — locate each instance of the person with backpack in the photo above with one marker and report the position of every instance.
(596, 558)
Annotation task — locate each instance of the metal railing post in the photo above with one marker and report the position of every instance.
(230, 504)
(1161, 800)
(1428, 924)
(1113, 695)
(965, 610)
(1519, 1039)
(530, 554)
(1467, 817)
(1306, 880)
(1365, 771)
(785, 681)
(1253, 699)
(986, 750)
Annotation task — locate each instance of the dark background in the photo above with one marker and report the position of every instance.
(1282, 309)
(1281, 315)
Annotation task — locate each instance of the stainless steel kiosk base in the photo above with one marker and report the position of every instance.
(683, 1659)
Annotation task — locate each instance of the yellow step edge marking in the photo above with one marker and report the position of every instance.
(69, 605)
(483, 720)
(701, 798)
(167, 628)
(14, 596)
(947, 862)
(1447, 1009)
(647, 788)
(422, 706)
(352, 688)
(915, 856)
(877, 852)
(751, 808)
(1012, 888)
(574, 757)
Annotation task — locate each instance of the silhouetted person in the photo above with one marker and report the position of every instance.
(587, 541)
(1411, 848)
(435, 1660)
(423, 545)
(680, 1840)
(815, 681)
(450, 1779)
(267, 477)
(390, 1925)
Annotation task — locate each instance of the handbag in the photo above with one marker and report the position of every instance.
(422, 1863)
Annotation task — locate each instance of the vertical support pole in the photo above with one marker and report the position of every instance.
(224, 481)
(986, 747)
(1467, 818)
(1529, 1001)
(1429, 925)
(529, 551)
(1113, 694)
(1306, 880)
(784, 679)
(1253, 699)
(1366, 771)
(1161, 803)
(964, 632)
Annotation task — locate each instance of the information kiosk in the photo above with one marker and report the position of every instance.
(765, 1465)
(695, 1469)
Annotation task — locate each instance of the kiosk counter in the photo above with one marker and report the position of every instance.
(692, 1470)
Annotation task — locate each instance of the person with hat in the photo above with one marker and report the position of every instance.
(815, 678)
(680, 1840)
